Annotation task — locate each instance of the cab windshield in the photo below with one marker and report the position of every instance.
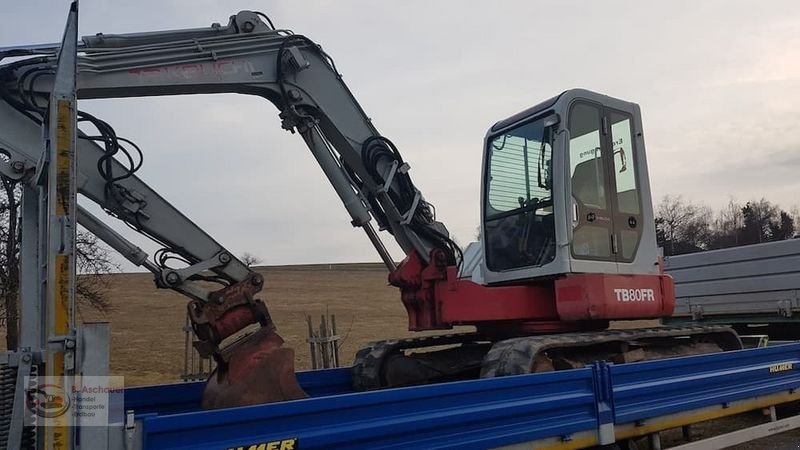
(518, 215)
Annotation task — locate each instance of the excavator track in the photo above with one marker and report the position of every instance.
(377, 365)
(529, 354)
(370, 361)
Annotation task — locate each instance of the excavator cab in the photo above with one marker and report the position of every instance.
(565, 190)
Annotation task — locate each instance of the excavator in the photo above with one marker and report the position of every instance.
(567, 233)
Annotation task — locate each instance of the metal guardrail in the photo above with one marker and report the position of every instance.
(577, 408)
(650, 389)
(176, 398)
(480, 413)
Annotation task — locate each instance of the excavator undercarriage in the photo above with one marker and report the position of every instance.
(405, 362)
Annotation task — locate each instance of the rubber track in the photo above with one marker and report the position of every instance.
(516, 356)
(369, 360)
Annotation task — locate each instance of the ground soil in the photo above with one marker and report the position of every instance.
(148, 341)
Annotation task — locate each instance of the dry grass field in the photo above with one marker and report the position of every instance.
(147, 344)
(146, 324)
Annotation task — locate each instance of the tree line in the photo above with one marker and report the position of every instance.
(686, 227)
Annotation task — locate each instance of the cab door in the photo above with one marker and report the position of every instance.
(606, 211)
(623, 184)
(591, 206)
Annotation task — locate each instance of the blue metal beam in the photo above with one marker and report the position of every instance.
(656, 388)
(478, 413)
(471, 414)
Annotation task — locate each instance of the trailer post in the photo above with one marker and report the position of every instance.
(655, 441)
(31, 277)
(93, 360)
(60, 223)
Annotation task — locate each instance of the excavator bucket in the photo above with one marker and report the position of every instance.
(254, 368)
(258, 370)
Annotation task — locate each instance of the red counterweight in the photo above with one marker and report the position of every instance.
(435, 298)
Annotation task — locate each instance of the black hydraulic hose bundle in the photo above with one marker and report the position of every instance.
(24, 101)
(7, 76)
(373, 150)
(112, 146)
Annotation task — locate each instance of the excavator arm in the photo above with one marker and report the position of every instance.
(248, 56)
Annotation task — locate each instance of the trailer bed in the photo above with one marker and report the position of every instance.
(571, 409)
(748, 285)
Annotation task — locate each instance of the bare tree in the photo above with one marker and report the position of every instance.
(683, 227)
(9, 259)
(758, 216)
(250, 259)
(93, 260)
(94, 264)
(672, 214)
(782, 228)
(728, 224)
(697, 232)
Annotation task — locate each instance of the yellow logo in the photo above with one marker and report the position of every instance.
(783, 367)
(283, 444)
